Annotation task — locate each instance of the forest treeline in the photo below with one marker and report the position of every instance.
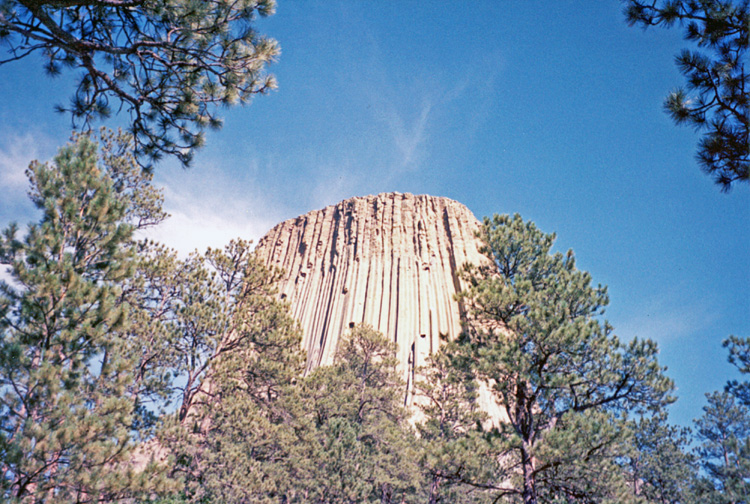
(128, 374)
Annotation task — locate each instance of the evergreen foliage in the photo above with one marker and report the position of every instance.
(661, 467)
(199, 314)
(739, 356)
(457, 449)
(559, 374)
(355, 443)
(724, 435)
(169, 64)
(715, 99)
(66, 418)
(220, 347)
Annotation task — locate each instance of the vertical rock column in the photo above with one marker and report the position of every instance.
(391, 261)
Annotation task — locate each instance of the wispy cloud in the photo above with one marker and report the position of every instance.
(5, 275)
(17, 151)
(207, 206)
(669, 318)
(409, 135)
(423, 108)
(198, 225)
(404, 111)
(403, 106)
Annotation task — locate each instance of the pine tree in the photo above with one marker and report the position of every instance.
(662, 469)
(724, 452)
(560, 375)
(355, 444)
(724, 434)
(739, 356)
(66, 421)
(169, 64)
(219, 348)
(716, 98)
(457, 450)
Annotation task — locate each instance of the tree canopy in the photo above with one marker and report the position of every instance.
(168, 64)
(66, 411)
(561, 377)
(233, 352)
(724, 436)
(715, 97)
(355, 444)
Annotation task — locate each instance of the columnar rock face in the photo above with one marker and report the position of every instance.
(391, 261)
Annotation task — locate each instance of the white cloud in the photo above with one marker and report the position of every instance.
(16, 153)
(208, 209)
(199, 225)
(414, 111)
(5, 275)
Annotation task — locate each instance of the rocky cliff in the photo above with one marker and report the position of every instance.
(391, 261)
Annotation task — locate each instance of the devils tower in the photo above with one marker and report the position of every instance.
(391, 261)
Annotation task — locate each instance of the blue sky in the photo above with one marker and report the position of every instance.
(550, 110)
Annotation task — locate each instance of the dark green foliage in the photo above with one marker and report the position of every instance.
(260, 432)
(66, 418)
(169, 64)
(739, 356)
(217, 343)
(457, 450)
(724, 434)
(355, 445)
(561, 377)
(196, 313)
(716, 96)
(661, 469)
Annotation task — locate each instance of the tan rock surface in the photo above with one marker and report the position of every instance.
(391, 261)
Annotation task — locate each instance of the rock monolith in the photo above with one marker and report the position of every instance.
(392, 261)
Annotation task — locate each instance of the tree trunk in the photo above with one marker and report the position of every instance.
(434, 490)
(385, 494)
(529, 483)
